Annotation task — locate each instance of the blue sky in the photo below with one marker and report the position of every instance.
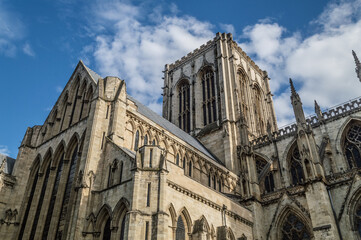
(42, 41)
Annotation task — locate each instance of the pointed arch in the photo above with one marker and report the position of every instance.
(103, 214)
(209, 106)
(120, 209)
(73, 142)
(286, 221)
(29, 195)
(173, 214)
(351, 143)
(60, 149)
(295, 165)
(187, 217)
(230, 234)
(184, 104)
(354, 213)
(46, 160)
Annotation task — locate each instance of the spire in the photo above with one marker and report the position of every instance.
(318, 112)
(297, 105)
(358, 65)
(293, 90)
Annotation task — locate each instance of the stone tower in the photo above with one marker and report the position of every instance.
(207, 91)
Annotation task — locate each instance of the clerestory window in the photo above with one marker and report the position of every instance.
(352, 146)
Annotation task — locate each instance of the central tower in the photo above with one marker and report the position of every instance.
(207, 92)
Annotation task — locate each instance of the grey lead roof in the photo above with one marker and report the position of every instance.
(145, 111)
(93, 74)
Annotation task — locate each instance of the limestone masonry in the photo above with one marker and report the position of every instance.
(214, 166)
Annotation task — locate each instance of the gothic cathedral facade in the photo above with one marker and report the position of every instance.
(214, 166)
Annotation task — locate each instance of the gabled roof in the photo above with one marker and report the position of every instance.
(164, 123)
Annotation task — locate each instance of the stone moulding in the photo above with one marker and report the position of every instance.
(208, 202)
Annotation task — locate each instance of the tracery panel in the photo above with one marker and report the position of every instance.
(294, 229)
(296, 167)
(352, 146)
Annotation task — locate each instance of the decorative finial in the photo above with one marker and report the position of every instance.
(358, 65)
(318, 111)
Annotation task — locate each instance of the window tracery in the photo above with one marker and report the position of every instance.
(352, 146)
(296, 167)
(294, 229)
(268, 180)
(136, 141)
(209, 97)
(184, 119)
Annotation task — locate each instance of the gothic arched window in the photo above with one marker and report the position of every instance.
(136, 140)
(190, 167)
(53, 198)
(30, 199)
(184, 117)
(296, 167)
(66, 198)
(352, 146)
(146, 139)
(180, 233)
(267, 180)
(122, 228)
(209, 97)
(294, 229)
(106, 230)
(177, 159)
(357, 218)
(40, 203)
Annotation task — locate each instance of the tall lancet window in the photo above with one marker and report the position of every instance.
(184, 118)
(209, 97)
(296, 167)
(258, 111)
(352, 146)
(243, 97)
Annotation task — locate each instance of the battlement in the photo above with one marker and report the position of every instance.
(331, 114)
(210, 43)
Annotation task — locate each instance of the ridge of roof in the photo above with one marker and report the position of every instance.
(93, 74)
(172, 128)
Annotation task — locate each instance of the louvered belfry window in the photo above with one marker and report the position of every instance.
(209, 97)
(184, 119)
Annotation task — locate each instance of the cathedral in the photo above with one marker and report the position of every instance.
(214, 166)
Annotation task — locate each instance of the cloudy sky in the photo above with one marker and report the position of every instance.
(41, 42)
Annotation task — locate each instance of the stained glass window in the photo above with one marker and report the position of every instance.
(352, 146)
(294, 229)
(296, 168)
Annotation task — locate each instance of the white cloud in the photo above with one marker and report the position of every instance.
(137, 51)
(28, 50)
(4, 150)
(228, 28)
(11, 30)
(321, 65)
